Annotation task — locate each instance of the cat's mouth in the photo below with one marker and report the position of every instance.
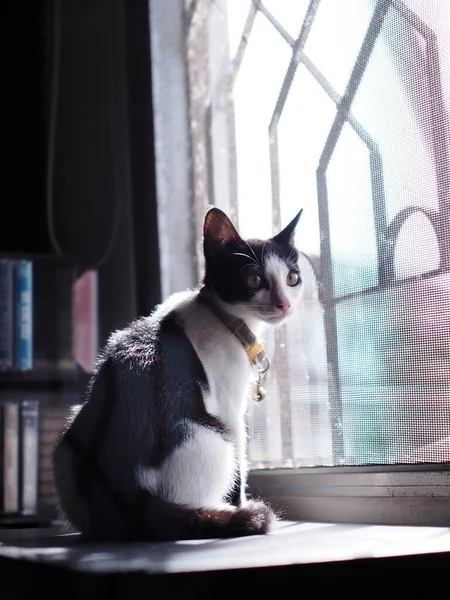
(274, 318)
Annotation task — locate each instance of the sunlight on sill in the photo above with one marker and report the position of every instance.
(290, 543)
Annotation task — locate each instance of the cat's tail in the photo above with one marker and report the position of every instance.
(157, 520)
(255, 518)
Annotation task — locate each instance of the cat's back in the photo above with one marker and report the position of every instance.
(148, 377)
(143, 342)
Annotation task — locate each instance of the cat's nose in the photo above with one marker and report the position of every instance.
(283, 306)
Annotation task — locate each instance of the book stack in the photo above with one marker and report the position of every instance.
(48, 342)
(16, 314)
(36, 315)
(19, 469)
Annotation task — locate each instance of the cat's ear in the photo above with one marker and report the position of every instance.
(218, 229)
(286, 236)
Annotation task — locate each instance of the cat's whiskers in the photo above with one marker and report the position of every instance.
(252, 267)
(246, 256)
(264, 309)
(262, 253)
(291, 254)
(252, 251)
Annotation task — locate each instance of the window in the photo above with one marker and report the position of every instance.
(341, 108)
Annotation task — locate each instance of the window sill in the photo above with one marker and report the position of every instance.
(290, 544)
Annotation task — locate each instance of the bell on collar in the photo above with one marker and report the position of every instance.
(259, 393)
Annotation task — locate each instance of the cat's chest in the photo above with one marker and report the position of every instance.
(229, 374)
(226, 366)
(224, 360)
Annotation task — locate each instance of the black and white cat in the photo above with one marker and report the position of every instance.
(156, 450)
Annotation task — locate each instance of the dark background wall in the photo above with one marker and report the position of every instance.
(78, 134)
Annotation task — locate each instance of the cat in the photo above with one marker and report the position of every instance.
(155, 451)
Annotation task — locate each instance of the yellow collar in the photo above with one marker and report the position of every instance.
(252, 346)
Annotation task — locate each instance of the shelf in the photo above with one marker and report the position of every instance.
(13, 521)
(47, 376)
(34, 376)
(44, 380)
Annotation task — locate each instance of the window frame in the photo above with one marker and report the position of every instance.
(412, 494)
(383, 494)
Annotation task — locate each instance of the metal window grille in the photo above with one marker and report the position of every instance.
(352, 99)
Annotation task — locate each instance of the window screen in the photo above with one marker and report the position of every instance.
(342, 108)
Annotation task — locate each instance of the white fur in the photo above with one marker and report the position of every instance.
(228, 371)
(206, 456)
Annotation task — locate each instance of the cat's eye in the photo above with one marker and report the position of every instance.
(254, 281)
(293, 278)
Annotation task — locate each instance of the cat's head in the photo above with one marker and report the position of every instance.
(258, 279)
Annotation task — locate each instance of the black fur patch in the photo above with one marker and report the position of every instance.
(159, 379)
(181, 377)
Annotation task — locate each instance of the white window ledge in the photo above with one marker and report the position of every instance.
(290, 544)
